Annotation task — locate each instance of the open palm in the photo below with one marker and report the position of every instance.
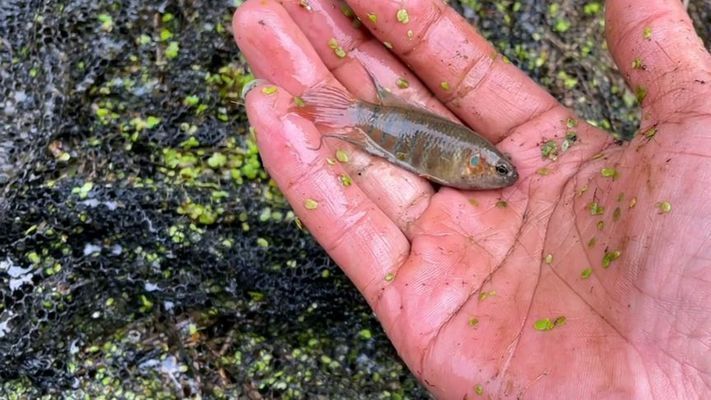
(589, 278)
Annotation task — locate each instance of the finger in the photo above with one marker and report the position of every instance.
(357, 235)
(457, 64)
(323, 22)
(278, 50)
(664, 61)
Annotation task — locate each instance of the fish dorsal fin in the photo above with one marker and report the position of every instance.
(387, 98)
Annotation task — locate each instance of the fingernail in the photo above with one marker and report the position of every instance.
(251, 85)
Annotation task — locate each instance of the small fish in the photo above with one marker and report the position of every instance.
(413, 138)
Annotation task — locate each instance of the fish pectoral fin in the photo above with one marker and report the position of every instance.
(353, 136)
(432, 179)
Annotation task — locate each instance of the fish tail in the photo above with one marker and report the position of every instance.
(327, 106)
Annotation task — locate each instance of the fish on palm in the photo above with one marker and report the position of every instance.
(411, 137)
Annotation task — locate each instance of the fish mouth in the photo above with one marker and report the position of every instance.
(513, 177)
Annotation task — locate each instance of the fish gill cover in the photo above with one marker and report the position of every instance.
(144, 252)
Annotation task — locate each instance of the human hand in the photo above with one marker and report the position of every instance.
(586, 279)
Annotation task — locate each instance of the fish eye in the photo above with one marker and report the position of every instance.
(502, 169)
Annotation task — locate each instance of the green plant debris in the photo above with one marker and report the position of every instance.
(638, 64)
(473, 322)
(203, 214)
(298, 101)
(83, 190)
(217, 160)
(546, 324)
(570, 138)
(485, 295)
(650, 133)
(299, 224)
(342, 156)
(402, 83)
(585, 274)
(372, 17)
(609, 172)
(595, 208)
(569, 82)
(191, 101)
(561, 25)
(33, 257)
(310, 204)
(347, 11)
(269, 90)
(553, 9)
(444, 85)
(262, 242)
(172, 50)
(140, 124)
(592, 8)
(337, 49)
(664, 207)
(165, 35)
(152, 122)
(402, 16)
(146, 304)
(256, 296)
(389, 277)
(365, 334)
(345, 180)
(640, 93)
(543, 325)
(103, 113)
(144, 40)
(609, 257)
(549, 150)
(616, 214)
(647, 33)
(571, 123)
(107, 22)
(479, 389)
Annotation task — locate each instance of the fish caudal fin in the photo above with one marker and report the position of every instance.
(327, 106)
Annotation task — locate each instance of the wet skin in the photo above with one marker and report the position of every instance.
(459, 279)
